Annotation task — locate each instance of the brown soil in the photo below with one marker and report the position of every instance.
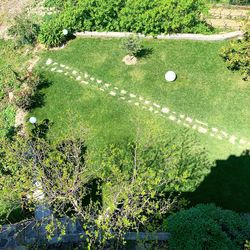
(129, 60)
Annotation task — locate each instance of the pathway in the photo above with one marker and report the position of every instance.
(141, 102)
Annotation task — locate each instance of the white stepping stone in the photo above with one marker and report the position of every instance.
(66, 73)
(202, 130)
(86, 75)
(186, 125)
(137, 103)
(215, 130)
(194, 127)
(205, 124)
(182, 116)
(107, 85)
(74, 72)
(150, 109)
(172, 118)
(179, 121)
(132, 95)
(141, 98)
(102, 89)
(53, 69)
(55, 63)
(78, 78)
(147, 102)
(92, 78)
(62, 65)
(123, 98)
(59, 71)
(189, 119)
(116, 88)
(112, 93)
(123, 92)
(156, 112)
(165, 110)
(232, 139)
(99, 81)
(85, 82)
(156, 105)
(67, 67)
(129, 101)
(243, 142)
(49, 61)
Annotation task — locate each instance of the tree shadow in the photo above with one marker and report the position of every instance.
(145, 52)
(41, 130)
(227, 186)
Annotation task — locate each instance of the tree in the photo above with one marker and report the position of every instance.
(207, 227)
(127, 187)
(237, 55)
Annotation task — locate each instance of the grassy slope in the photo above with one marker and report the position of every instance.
(205, 90)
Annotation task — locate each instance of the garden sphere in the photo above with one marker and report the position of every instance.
(32, 120)
(65, 32)
(170, 76)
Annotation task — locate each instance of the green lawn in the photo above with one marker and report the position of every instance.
(204, 90)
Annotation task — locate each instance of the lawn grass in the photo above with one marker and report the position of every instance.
(205, 89)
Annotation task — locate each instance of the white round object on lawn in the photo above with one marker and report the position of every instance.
(170, 76)
(65, 32)
(32, 120)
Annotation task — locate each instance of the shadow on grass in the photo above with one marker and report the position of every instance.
(227, 186)
(145, 52)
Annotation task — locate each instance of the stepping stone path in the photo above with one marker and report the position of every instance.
(141, 102)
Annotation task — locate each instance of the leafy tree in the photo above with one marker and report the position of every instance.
(136, 184)
(237, 55)
(207, 227)
(132, 45)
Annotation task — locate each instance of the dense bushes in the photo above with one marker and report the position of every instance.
(207, 227)
(144, 16)
(237, 55)
(24, 30)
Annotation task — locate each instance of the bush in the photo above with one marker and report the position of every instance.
(237, 55)
(207, 227)
(25, 95)
(132, 45)
(24, 30)
(145, 16)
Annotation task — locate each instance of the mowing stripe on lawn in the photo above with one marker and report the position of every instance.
(145, 104)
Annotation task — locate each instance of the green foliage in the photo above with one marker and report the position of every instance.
(132, 45)
(7, 119)
(237, 55)
(207, 227)
(147, 17)
(24, 30)
(26, 93)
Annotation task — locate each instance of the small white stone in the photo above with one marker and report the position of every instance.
(243, 142)
(123, 92)
(172, 118)
(232, 139)
(107, 85)
(150, 109)
(189, 119)
(53, 69)
(66, 73)
(202, 130)
(170, 76)
(186, 125)
(99, 81)
(92, 78)
(132, 95)
(67, 67)
(215, 130)
(62, 65)
(112, 93)
(156, 105)
(86, 75)
(182, 116)
(116, 88)
(137, 104)
(102, 89)
(85, 82)
(78, 78)
(49, 61)
(55, 63)
(59, 71)
(165, 110)
(123, 98)
(129, 101)
(74, 72)
(147, 102)
(141, 98)
(156, 112)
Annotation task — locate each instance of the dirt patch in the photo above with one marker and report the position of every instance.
(129, 60)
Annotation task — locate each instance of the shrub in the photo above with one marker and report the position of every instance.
(237, 55)
(144, 16)
(207, 227)
(132, 45)
(24, 30)
(25, 95)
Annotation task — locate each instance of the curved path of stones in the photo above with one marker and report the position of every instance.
(137, 100)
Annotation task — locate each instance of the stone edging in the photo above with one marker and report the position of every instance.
(196, 37)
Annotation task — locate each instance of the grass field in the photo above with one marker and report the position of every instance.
(204, 90)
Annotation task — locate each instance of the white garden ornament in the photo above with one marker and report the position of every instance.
(170, 76)
(32, 120)
(65, 32)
